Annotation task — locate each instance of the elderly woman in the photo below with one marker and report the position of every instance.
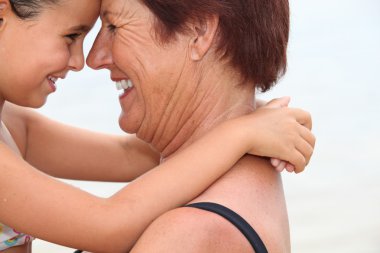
(186, 66)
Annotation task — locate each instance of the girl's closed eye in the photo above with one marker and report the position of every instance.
(73, 36)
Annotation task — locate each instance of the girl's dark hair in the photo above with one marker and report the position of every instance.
(28, 9)
(253, 34)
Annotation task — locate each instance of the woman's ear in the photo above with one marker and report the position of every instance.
(4, 8)
(204, 35)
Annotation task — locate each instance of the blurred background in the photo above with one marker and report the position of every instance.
(334, 61)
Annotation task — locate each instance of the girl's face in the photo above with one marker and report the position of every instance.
(35, 53)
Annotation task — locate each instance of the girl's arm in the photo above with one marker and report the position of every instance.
(73, 153)
(48, 209)
(68, 152)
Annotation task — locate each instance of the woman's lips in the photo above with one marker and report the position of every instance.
(125, 93)
(125, 85)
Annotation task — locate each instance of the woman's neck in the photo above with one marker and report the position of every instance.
(220, 99)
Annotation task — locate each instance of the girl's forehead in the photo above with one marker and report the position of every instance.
(83, 7)
(72, 13)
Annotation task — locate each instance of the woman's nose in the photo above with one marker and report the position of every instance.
(100, 55)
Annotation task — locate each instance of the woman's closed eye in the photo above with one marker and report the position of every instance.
(111, 28)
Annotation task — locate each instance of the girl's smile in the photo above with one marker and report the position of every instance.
(45, 47)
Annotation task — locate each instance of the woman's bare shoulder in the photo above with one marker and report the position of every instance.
(251, 178)
(252, 189)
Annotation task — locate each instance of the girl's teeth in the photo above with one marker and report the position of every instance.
(53, 79)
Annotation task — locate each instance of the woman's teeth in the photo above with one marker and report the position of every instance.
(124, 84)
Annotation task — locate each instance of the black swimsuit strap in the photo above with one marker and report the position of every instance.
(237, 221)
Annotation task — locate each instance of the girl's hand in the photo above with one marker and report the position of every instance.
(284, 134)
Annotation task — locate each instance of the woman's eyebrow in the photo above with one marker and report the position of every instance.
(105, 14)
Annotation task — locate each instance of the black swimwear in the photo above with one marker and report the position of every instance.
(237, 221)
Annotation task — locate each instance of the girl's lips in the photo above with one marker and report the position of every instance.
(52, 85)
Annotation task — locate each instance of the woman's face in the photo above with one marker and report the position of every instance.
(126, 45)
(39, 51)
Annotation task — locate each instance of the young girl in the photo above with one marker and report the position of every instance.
(40, 42)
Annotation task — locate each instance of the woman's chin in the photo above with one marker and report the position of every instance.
(126, 124)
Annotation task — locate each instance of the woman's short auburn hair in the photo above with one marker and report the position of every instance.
(253, 34)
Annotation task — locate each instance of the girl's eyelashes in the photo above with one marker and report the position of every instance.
(73, 36)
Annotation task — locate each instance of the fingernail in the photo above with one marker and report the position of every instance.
(275, 162)
(290, 167)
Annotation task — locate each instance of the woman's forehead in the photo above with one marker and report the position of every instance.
(117, 7)
(122, 9)
(113, 5)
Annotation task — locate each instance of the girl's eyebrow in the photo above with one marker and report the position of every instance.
(81, 28)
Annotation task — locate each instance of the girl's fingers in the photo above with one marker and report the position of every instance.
(281, 166)
(275, 162)
(307, 135)
(298, 161)
(278, 102)
(302, 117)
(289, 167)
(305, 149)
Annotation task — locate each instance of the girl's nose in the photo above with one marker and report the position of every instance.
(76, 62)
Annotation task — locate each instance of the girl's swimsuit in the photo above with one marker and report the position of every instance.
(11, 238)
